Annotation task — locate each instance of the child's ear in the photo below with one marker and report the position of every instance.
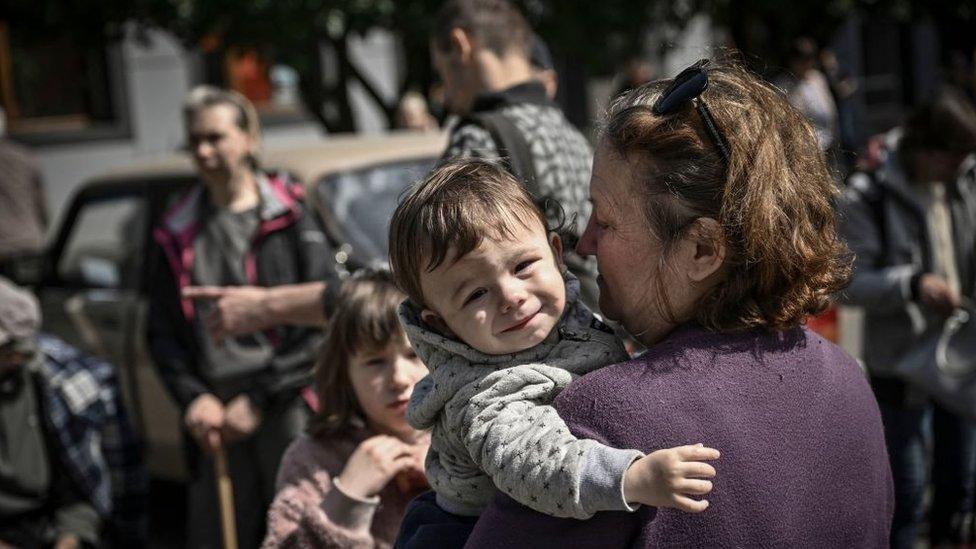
(435, 321)
(556, 243)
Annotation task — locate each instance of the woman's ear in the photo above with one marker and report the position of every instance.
(703, 249)
(436, 322)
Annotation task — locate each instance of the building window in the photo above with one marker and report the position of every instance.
(54, 90)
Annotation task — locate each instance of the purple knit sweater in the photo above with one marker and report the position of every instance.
(803, 454)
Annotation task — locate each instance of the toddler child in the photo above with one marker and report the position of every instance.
(497, 319)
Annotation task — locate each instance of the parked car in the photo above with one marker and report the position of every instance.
(93, 277)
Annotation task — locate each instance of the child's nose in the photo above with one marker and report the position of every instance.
(513, 294)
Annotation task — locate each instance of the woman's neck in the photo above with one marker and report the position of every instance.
(237, 193)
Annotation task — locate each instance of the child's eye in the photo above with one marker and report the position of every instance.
(474, 295)
(524, 265)
(376, 362)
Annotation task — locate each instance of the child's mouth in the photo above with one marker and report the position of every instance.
(522, 323)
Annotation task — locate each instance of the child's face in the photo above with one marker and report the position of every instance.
(383, 381)
(502, 297)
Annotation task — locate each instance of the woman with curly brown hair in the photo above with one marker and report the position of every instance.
(713, 228)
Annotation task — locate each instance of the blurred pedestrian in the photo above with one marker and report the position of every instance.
(635, 72)
(348, 481)
(912, 226)
(808, 90)
(482, 51)
(544, 70)
(71, 470)
(412, 113)
(240, 394)
(23, 210)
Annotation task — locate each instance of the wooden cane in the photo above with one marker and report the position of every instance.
(225, 493)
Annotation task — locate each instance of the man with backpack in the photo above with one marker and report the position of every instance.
(911, 224)
(482, 50)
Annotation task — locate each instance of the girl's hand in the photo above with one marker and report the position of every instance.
(414, 477)
(373, 464)
(666, 478)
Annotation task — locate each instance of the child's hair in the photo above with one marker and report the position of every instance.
(365, 320)
(453, 210)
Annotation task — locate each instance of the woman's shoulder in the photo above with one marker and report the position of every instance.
(691, 359)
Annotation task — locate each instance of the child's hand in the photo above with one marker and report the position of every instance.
(666, 478)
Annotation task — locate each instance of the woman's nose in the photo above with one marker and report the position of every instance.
(586, 245)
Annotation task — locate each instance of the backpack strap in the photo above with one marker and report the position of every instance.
(512, 148)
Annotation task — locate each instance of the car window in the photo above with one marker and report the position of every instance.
(105, 244)
(361, 203)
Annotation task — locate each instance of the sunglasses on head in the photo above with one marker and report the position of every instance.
(688, 86)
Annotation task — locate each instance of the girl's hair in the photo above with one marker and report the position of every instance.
(203, 97)
(364, 320)
(773, 200)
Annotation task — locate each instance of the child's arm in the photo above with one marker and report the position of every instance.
(529, 453)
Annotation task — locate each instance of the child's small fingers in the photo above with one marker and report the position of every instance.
(689, 505)
(697, 469)
(698, 452)
(694, 487)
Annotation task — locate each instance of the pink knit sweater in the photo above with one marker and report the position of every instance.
(310, 511)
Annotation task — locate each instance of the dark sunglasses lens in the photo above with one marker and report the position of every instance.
(686, 86)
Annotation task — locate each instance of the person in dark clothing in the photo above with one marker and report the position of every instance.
(912, 226)
(239, 394)
(486, 55)
(71, 469)
(39, 504)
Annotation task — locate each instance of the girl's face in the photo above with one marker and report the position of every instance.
(383, 380)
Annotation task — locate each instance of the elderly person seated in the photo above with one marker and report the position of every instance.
(64, 439)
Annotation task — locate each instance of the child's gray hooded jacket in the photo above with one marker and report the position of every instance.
(492, 423)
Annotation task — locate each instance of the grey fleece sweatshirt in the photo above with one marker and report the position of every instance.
(493, 424)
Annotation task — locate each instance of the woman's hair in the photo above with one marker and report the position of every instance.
(204, 97)
(365, 320)
(773, 200)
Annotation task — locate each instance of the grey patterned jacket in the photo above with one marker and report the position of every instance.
(493, 424)
(561, 155)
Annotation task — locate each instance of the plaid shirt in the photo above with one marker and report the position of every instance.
(95, 441)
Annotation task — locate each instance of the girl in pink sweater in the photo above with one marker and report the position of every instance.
(347, 482)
